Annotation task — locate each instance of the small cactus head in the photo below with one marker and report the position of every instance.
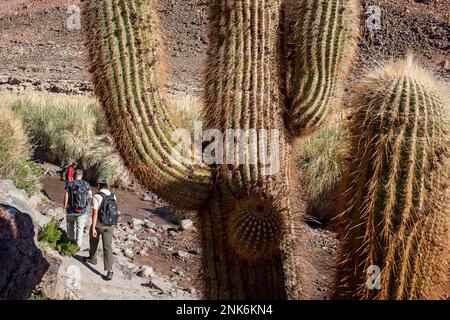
(254, 228)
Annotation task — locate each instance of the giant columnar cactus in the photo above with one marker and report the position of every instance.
(249, 219)
(395, 211)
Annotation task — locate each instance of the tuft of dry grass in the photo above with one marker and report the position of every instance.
(321, 161)
(66, 128)
(15, 151)
(189, 109)
(14, 145)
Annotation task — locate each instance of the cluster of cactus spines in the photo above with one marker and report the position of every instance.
(124, 52)
(394, 207)
(325, 46)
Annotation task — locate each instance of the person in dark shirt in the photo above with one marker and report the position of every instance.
(76, 205)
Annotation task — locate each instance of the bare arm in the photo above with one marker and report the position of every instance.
(94, 218)
(66, 200)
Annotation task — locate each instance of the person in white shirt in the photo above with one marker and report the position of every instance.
(99, 229)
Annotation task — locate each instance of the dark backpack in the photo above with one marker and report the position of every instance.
(108, 211)
(78, 195)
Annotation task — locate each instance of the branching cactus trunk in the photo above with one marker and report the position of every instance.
(395, 200)
(246, 192)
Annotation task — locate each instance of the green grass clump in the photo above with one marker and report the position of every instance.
(67, 248)
(321, 160)
(28, 177)
(52, 236)
(38, 296)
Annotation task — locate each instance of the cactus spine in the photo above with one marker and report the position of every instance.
(394, 207)
(325, 39)
(249, 218)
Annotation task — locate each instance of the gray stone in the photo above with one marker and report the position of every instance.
(143, 253)
(146, 272)
(16, 198)
(165, 227)
(182, 254)
(136, 223)
(186, 224)
(161, 284)
(128, 253)
(150, 197)
(150, 224)
(132, 237)
(173, 233)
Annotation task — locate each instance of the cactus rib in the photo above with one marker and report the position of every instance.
(325, 33)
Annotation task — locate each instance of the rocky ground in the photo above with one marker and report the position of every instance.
(39, 52)
(148, 262)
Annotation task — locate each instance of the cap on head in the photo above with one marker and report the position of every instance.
(79, 172)
(75, 164)
(102, 180)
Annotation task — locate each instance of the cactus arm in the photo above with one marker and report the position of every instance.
(325, 47)
(124, 55)
(394, 210)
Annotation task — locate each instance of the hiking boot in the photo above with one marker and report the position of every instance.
(90, 260)
(109, 275)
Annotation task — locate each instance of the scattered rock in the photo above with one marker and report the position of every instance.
(51, 285)
(150, 224)
(128, 253)
(192, 291)
(182, 254)
(16, 198)
(186, 224)
(173, 233)
(150, 197)
(445, 64)
(136, 223)
(166, 227)
(146, 272)
(143, 253)
(132, 238)
(14, 81)
(195, 251)
(161, 284)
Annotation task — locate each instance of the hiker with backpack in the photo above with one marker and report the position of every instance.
(68, 172)
(105, 216)
(76, 205)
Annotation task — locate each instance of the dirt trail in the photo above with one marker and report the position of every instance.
(162, 256)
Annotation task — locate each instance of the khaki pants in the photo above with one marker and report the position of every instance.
(107, 236)
(75, 228)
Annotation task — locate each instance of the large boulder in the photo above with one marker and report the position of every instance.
(16, 198)
(22, 264)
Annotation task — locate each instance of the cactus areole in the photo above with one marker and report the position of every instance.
(250, 220)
